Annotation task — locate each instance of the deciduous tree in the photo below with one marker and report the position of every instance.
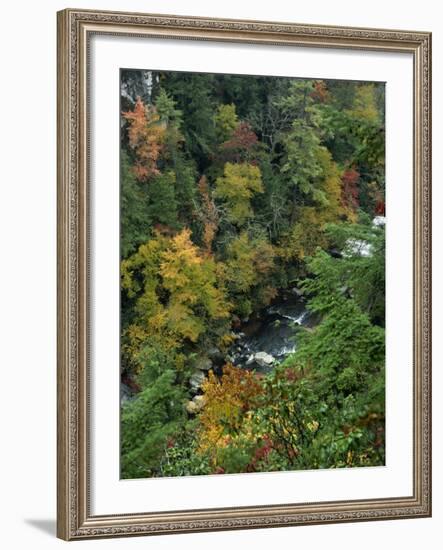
(236, 188)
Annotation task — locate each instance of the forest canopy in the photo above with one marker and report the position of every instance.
(252, 274)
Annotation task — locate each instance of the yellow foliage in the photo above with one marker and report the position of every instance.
(248, 261)
(172, 268)
(228, 402)
(226, 121)
(225, 341)
(365, 105)
(305, 235)
(236, 187)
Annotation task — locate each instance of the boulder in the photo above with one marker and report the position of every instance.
(263, 359)
(200, 401)
(197, 379)
(203, 363)
(191, 407)
(196, 405)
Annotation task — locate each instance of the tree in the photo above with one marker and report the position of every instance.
(175, 160)
(242, 144)
(146, 134)
(364, 105)
(165, 106)
(305, 157)
(362, 274)
(236, 188)
(308, 230)
(227, 401)
(208, 214)
(226, 121)
(353, 123)
(350, 188)
(136, 222)
(193, 96)
(154, 416)
(176, 292)
(194, 295)
(249, 267)
(162, 208)
(324, 406)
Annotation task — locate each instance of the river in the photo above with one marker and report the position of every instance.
(272, 334)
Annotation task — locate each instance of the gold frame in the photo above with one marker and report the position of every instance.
(75, 27)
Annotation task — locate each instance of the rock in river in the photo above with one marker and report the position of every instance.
(203, 363)
(196, 380)
(263, 359)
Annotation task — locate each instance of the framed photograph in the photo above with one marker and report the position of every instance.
(243, 274)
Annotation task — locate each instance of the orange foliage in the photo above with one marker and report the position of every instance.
(320, 92)
(146, 134)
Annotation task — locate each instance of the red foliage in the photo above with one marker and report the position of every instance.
(261, 453)
(242, 142)
(290, 375)
(379, 441)
(380, 207)
(320, 92)
(350, 188)
(130, 383)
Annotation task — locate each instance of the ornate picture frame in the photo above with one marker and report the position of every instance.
(75, 518)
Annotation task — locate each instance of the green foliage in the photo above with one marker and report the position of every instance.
(365, 106)
(235, 457)
(359, 274)
(355, 136)
(147, 424)
(324, 407)
(165, 105)
(162, 207)
(302, 144)
(136, 222)
(192, 94)
(181, 457)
